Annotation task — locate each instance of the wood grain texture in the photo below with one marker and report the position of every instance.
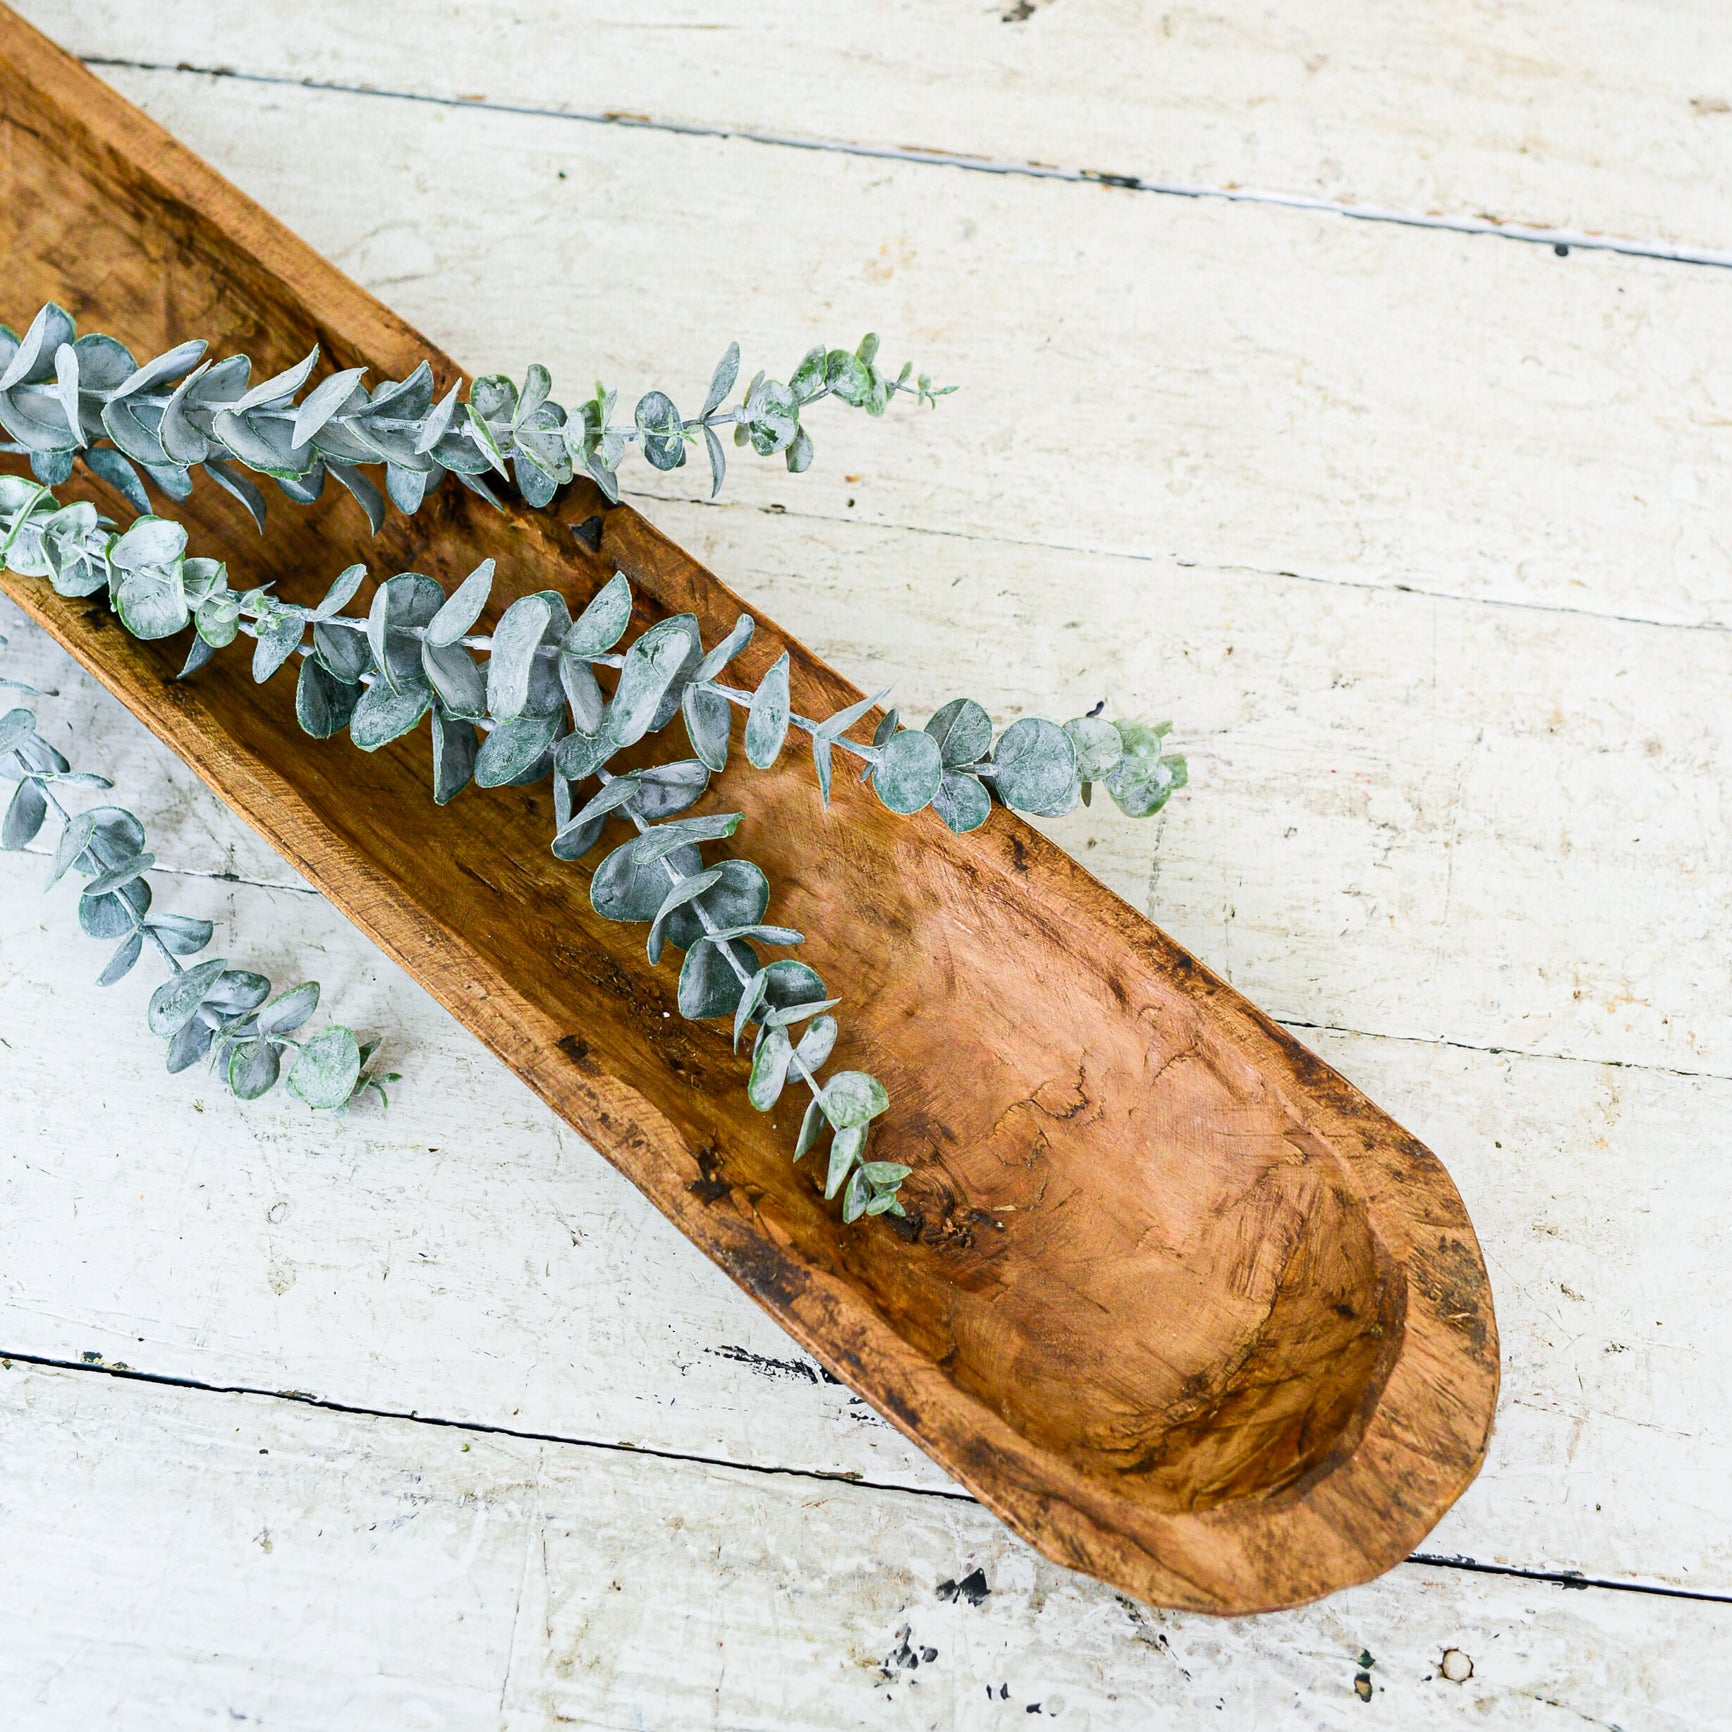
(1617, 122)
(1300, 1368)
(236, 1560)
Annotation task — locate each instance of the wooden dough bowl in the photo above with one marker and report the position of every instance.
(1175, 1300)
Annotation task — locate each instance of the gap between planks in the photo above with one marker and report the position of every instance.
(1561, 240)
(1571, 1579)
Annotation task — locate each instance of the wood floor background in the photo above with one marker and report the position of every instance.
(1422, 534)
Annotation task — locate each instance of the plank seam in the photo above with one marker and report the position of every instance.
(128, 1374)
(1231, 567)
(1561, 240)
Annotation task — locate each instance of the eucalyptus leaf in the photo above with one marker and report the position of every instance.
(323, 704)
(709, 983)
(767, 719)
(455, 747)
(327, 1068)
(120, 964)
(769, 1069)
(962, 802)
(382, 715)
(853, 1098)
(845, 1149)
(1098, 744)
(626, 888)
(173, 1003)
(253, 1068)
(24, 815)
(963, 731)
(288, 1010)
(909, 772)
(1035, 768)
(602, 624)
(512, 748)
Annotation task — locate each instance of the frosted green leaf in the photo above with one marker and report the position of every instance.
(722, 381)
(837, 725)
(280, 386)
(1098, 746)
(709, 986)
(152, 604)
(190, 1043)
(15, 725)
(665, 838)
(149, 542)
(614, 794)
(624, 888)
(74, 839)
(24, 815)
(120, 964)
(909, 772)
(110, 916)
(512, 748)
(783, 1015)
(175, 1001)
(588, 706)
(454, 751)
(665, 790)
(853, 1097)
(382, 715)
(323, 705)
(725, 651)
(845, 1149)
(709, 724)
(343, 653)
(767, 719)
(750, 999)
(677, 897)
(462, 608)
(511, 664)
(580, 755)
(789, 982)
(288, 1010)
(817, 1043)
(342, 593)
(963, 731)
(808, 378)
(810, 1125)
(399, 604)
(856, 1197)
(879, 1173)
(602, 624)
(763, 934)
(736, 902)
(822, 764)
(124, 873)
(453, 673)
(254, 1066)
(276, 642)
(718, 459)
(658, 421)
(181, 933)
(323, 401)
(769, 1069)
(652, 664)
(1144, 780)
(962, 802)
(327, 1068)
(236, 990)
(1036, 768)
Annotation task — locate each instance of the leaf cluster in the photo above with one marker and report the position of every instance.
(64, 397)
(207, 1009)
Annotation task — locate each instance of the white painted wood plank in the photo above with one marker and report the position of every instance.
(466, 1255)
(245, 1560)
(1610, 117)
(1152, 377)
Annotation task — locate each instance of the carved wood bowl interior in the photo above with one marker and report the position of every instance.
(1174, 1299)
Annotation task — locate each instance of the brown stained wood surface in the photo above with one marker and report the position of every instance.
(1175, 1300)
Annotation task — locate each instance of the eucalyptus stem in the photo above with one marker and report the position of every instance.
(209, 1008)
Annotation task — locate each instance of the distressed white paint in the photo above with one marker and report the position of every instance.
(1446, 825)
(1608, 118)
(1276, 390)
(233, 1560)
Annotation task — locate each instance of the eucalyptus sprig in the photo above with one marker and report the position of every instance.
(207, 1008)
(536, 709)
(63, 396)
